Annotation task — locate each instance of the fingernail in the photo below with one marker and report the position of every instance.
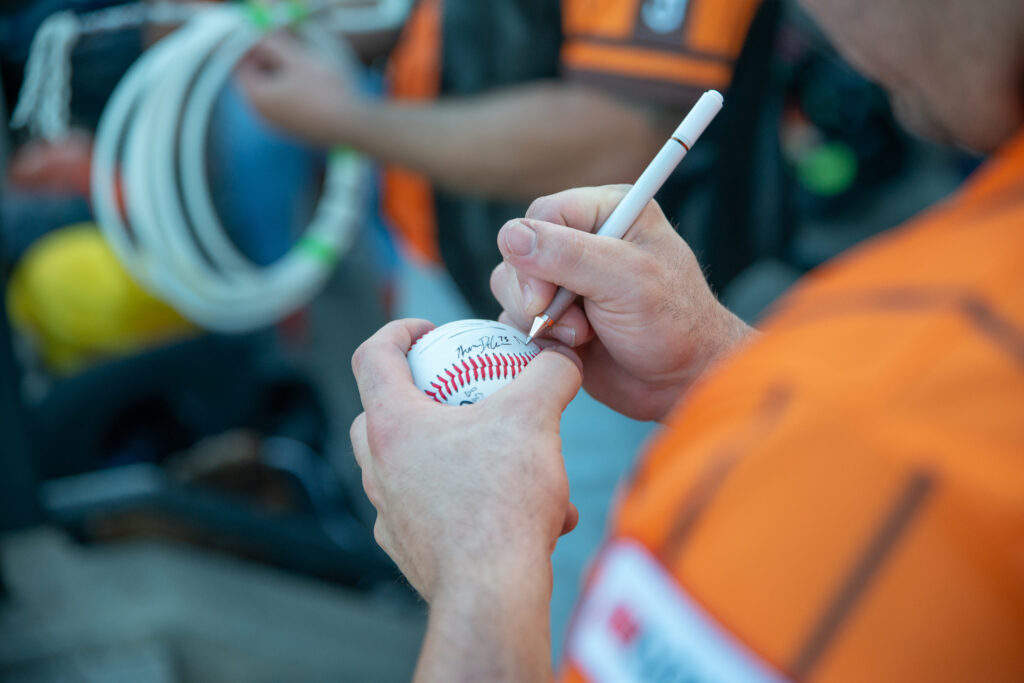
(564, 334)
(527, 292)
(520, 239)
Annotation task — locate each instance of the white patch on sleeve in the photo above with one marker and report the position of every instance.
(635, 623)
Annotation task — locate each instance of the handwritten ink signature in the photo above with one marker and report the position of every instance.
(485, 344)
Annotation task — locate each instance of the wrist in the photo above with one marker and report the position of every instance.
(730, 334)
(493, 624)
(526, 573)
(353, 118)
(723, 333)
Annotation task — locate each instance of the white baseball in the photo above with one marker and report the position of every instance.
(466, 361)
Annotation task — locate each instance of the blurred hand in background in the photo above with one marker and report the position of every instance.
(297, 90)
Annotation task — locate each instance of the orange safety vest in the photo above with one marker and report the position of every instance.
(844, 499)
(665, 51)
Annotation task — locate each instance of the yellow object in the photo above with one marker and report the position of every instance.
(71, 295)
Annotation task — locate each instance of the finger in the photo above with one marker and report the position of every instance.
(515, 300)
(572, 329)
(275, 50)
(380, 365)
(523, 295)
(535, 292)
(581, 208)
(250, 76)
(544, 388)
(572, 518)
(381, 535)
(506, 289)
(519, 291)
(511, 321)
(364, 457)
(592, 266)
(587, 208)
(360, 442)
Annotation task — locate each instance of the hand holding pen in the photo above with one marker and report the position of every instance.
(647, 324)
(646, 186)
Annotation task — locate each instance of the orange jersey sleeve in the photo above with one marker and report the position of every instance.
(662, 51)
(414, 74)
(843, 501)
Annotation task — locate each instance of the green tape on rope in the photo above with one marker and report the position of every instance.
(266, 17)
(341, 153)
(298, 12)
(260, 16)
(318, 250)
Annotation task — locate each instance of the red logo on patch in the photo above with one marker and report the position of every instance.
(623, 624)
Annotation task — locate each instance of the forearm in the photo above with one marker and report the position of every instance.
(516, 143)
(493, 627)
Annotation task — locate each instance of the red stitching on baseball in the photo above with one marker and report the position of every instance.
(459, 376)
(440, 389)
(417, 339)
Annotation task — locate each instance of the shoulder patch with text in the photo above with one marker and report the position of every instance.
(635, 623)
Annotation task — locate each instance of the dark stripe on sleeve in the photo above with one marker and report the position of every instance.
(983, 318)
(893, 527)
(770, 413)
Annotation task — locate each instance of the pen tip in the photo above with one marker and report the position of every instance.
(538, 324)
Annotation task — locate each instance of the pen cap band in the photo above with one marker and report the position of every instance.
(707, 107)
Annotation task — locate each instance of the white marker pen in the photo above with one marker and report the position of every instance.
(647, 185)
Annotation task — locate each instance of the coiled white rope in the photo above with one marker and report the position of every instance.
(152, 138)
(45, 94)
(43, 103)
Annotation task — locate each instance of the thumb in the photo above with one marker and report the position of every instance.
(545, 387)
(593, 266)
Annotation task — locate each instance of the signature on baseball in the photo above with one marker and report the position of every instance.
(489, 343)
(473, 395)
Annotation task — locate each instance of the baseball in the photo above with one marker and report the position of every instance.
(466, 361)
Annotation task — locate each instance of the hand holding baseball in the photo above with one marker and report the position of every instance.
(463, 494)
(647, 325)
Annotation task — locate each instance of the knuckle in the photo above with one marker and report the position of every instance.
(513, 408)
(542, 207)
(617, 190)
(499, 278)
(379, 534)
(370, 489)
(384, 435)
(573, 253)
(376, 436)
(358, 427)
(647, 267)
(359, 356)
(653, 212)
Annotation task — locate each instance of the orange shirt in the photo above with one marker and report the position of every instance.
(844, 499)
(656, 51)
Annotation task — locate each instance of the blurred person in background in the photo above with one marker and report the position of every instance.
(494, 103)
(835, 498)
